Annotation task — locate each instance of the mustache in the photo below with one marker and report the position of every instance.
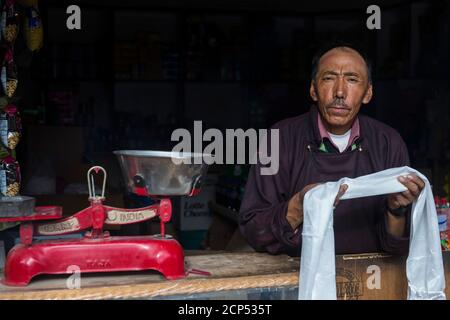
(338, 102)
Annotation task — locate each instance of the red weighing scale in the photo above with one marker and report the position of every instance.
(158, 175)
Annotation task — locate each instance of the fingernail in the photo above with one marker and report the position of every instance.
(409, 177)
(401, 179)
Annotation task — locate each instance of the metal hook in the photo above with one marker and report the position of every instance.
(91, 183)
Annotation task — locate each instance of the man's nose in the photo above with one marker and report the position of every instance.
(340, 91)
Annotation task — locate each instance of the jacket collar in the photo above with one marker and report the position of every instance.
(318, 131)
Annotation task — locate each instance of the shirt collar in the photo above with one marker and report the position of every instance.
(324, 133)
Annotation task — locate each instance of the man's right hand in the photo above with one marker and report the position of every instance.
(295, 207)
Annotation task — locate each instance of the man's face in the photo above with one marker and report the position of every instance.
(340, 86)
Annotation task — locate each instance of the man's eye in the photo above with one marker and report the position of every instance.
(353, 80)
(327, 78)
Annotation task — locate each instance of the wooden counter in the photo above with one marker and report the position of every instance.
(234, 275)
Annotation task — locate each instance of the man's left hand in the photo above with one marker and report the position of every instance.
(403, 199)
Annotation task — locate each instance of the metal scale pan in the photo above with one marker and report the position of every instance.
(163, 174)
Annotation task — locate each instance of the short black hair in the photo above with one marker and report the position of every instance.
(339, 44)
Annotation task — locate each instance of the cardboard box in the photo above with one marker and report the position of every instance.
(194, 213)
(193, 239)
(376, 276)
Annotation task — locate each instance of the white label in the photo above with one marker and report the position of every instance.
(69, 225)
(121, 217)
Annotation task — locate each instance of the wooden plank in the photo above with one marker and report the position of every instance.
(221, 265)
(355, 278)
(160, 289)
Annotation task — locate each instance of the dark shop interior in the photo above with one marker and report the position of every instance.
(137, 70)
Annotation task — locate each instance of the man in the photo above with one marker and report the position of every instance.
(330, 142)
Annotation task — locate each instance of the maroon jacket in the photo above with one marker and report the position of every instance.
(359, 224)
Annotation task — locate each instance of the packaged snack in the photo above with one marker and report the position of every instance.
(445, 241)
(2, 23)
(9, 177)
(10, 21)
(8, 74)
(441, 210)
(10, 127)
(33, 28)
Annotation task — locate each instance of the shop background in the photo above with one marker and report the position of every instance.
(137, 70)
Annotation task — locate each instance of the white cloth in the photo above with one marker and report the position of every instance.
(341, 141)
(424, 266)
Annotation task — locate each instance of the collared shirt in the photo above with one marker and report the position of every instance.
(327, 144)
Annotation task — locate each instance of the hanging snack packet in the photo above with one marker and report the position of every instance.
(10, 21)
(9, 177)
(2, 22)
(8, 74)
(33, 28)
(10, 127)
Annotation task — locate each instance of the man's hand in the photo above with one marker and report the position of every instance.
(396, 222)
(403, 199)
(341, 192)
(295, 206)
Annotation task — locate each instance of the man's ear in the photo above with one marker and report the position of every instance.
(368, 95)
(312, 91)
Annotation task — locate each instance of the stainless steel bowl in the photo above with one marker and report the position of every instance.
(161, 172)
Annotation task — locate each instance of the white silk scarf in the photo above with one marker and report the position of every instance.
(424, 266)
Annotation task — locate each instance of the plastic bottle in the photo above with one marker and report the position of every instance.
(442, 214)
(446, 210)
(441, 210)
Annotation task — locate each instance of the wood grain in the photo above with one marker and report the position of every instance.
(231, 271)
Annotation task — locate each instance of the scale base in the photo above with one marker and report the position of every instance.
(110, 254)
